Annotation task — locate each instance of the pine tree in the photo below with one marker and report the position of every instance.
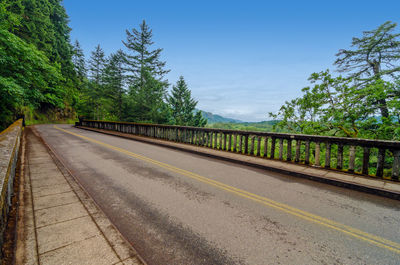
(97, 63)
(146, 71)
(78, 59)
(140, 58)
(375, 57)
(183, 105)
(148, 102)
(114, 79)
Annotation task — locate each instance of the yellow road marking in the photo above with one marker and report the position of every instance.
(375, 240)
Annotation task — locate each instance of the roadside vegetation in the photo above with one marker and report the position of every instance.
(364, 102)
(48, 79)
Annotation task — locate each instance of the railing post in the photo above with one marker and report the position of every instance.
(328, 155)
(229, 142)
(339, 164)
(396, 165)
(352, 157)
(240, 143)
(259, 146)
(281, 149)
(307, 153)
(297, 158)
(289, 150)
(266, 147)
(273, 140)
(224, 141)
(381, 162)
(252, 145)
(365, 161)
(234, 142)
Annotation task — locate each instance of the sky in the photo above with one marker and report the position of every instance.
(241, 59)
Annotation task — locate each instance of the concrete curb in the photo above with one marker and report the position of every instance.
(361, 183)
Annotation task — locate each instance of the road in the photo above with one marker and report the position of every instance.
(179, 208)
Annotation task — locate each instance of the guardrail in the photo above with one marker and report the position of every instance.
(376, 158)
(10, 140)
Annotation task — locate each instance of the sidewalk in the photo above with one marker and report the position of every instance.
(58, 222)
(362, 183)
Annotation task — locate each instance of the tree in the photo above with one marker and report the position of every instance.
(329, 107)
(11, 14)
(27, 78)
(78, 59)
(140, 59)
(374, 58)
(113, 80)
(183, 106)
(147, 88)
(97, 63)
(147, 104)
(362, 104)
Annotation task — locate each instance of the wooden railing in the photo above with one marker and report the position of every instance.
(376, 158)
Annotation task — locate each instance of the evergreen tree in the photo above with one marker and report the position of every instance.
(27, 79)
(114, 79)
(97, 63)
(376, 56)
(10, 14)
(183, 106)
(140, 59)
(145, 73)
(148, 102)
(78, 59)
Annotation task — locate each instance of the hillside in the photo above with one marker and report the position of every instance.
(214, 118)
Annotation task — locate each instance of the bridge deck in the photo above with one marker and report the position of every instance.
(181, 208)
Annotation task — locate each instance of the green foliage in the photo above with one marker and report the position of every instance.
(140, 59)
(183, 106)
(263, 126)
(374, 56)
(363, 104)
(78, 59)
(148, 102)
(36, 68)
(10, 14)
(113, 81)
(145, 72)
(26, 78)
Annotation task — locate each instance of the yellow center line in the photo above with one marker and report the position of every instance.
(373, 239)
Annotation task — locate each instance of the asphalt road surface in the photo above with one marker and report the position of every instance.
(179, 208)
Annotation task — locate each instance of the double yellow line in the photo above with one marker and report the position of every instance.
(375, 240)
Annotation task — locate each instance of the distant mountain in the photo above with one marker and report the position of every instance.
(214, 118)
(261, 123)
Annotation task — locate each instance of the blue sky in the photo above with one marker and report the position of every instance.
(241, 59)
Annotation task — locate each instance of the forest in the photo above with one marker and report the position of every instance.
(46, 77)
